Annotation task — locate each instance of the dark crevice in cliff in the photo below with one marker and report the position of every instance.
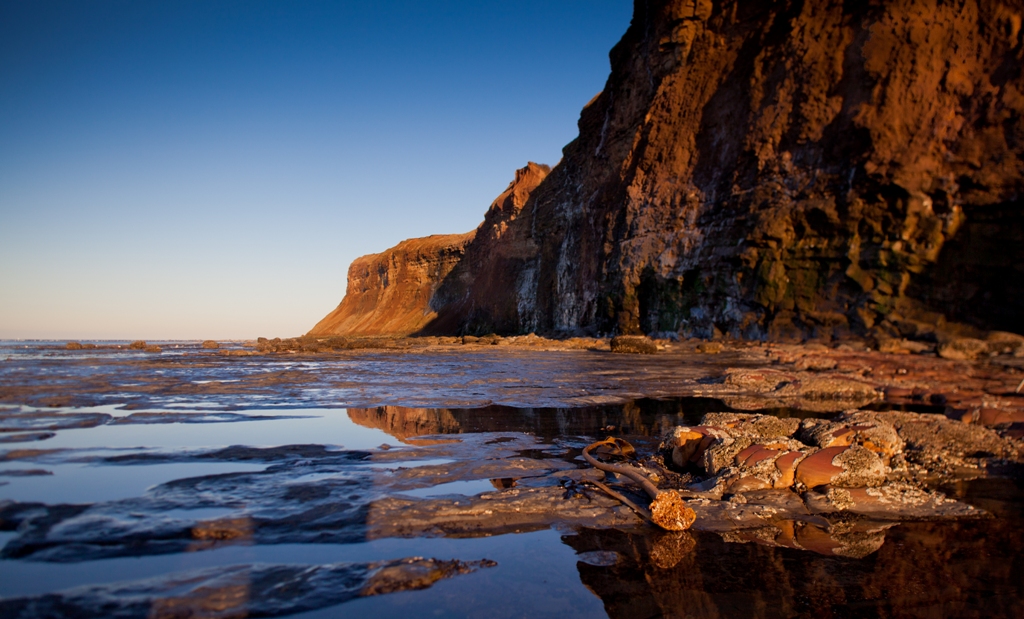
(979, 276)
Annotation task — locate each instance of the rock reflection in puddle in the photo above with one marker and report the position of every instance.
(600, 558)
(924, 569)
(26, 437)
(842, 538)
(642, 417)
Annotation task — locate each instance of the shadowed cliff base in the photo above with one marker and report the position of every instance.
(792, 170)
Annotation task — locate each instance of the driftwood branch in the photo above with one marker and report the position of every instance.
(668, 510)
(625, 471)
(640, 511)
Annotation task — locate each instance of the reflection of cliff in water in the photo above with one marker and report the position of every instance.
(644, 417)
(947, 569)
(640, 417)
(402, 422)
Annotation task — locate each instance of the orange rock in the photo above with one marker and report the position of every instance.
(876, 436)
(786, 465)
(747, 483)
(817, 469)
(688, 444)
(390, 292)
(995, 416)
(685, 449)
(754, 454)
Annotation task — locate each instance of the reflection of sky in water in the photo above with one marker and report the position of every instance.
(89, 483)
(85, 482)
(308, 426)
(467, 488)
(410, 463)
(541, 567)
(5, 536)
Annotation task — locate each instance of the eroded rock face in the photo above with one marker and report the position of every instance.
(389, 293)
(421, 284)
(475, 298)
(776, 170)
(791, 169)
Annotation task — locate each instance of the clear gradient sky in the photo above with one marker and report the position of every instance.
(208, 169)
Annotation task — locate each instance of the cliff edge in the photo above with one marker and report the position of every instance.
(389, 293)
(402, 290)
(774, 171)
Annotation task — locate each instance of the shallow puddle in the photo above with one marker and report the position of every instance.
(92, 483)
(171, 499)
(468, 487)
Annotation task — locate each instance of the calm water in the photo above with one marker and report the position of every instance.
(172, 487)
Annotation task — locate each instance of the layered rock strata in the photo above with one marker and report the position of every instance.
(476, 295)
(389, 293)
(787, 169)
(776, 170)
(402, 290)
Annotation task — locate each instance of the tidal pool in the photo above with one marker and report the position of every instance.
(219, 492)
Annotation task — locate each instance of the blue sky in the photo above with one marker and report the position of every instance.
(209, 169)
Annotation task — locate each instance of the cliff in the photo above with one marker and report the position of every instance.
(464, 300)
(389, 293)
(397, 292)
(780, 170)
(775, 170)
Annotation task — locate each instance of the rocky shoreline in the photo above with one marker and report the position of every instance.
(792, 432)
(825, 451)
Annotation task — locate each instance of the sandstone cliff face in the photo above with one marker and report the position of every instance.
(783, 169)
(389, 293)
(475, 296)
(773, 170)
(401, 291)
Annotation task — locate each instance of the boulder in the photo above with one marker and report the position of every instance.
(963, 349)
(636, 344)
